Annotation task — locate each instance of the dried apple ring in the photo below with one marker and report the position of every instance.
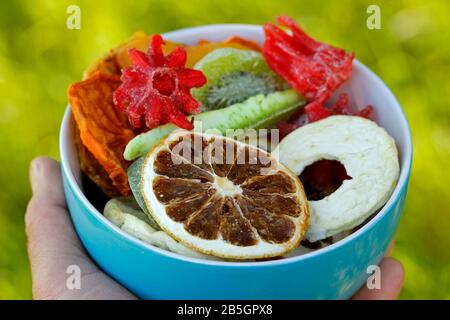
(369, 156)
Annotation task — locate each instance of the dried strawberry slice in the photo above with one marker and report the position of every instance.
(316, 111)
(156, 89)
(312, 68)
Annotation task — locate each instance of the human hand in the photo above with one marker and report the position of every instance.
(53, 246)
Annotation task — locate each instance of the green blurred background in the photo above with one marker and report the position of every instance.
(40, 57)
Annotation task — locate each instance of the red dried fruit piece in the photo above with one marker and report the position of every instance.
(316, 111)
(365, 113)
(286, 127)
(322, 178)
(312, 68)
(155, 90)
(342, 105)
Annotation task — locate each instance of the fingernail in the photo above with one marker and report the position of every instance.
(35, 172)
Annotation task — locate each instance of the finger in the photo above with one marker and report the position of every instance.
(392, 277)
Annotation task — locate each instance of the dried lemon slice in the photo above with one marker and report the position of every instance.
(223, 197)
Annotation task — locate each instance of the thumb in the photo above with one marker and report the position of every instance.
(47, 222)
(45, 178)
(53, 245)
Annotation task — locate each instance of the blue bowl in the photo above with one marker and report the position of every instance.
(334, 272)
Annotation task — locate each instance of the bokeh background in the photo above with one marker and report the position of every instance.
(40, 57)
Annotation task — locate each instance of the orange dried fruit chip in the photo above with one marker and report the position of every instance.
(243, 42)
(203, 47)
(92, 168)
(104, 130)
(118, 58)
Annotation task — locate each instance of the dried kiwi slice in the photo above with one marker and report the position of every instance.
(234, 75)
(134, 180)
(243, 206)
